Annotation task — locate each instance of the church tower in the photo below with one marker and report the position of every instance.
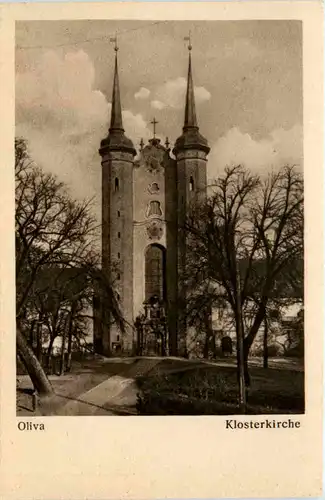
(145, 201)
(191, 150)
(117, 152)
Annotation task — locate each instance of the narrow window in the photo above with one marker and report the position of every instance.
(119, 234)
(118, 213)
(118, 276)
(154, 209)
(155, 272)
(191, 185)
(117, 184)
(118, 255)
(117, 338)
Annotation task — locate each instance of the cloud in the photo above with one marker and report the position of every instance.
(281, 147)
(64, 118)
(60, 91)
(158, 105)
(201, 94)
(135, 126)
(142, 93)
(172, 94)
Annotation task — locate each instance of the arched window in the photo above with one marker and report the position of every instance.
(116, 184)
(155, 272)
(154, 209)
(191, 184)
(118, 213)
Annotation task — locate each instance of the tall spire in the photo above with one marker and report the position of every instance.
(116, 139)
(191, 137)
(116, 112)
(190, 113)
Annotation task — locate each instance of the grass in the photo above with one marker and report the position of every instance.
(214, 390)
(179, 386)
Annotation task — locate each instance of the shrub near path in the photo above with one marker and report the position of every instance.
(214, 391)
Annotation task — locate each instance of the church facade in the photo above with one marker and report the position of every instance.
(145, 199)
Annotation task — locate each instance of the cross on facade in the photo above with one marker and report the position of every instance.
(154, 123)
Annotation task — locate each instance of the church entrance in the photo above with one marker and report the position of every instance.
(151, 326)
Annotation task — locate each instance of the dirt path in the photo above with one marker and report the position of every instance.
(106, 386)
(116, 395)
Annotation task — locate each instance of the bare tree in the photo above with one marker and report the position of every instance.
(249, 225)
(52, 231)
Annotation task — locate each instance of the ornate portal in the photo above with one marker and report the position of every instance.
(152, 337)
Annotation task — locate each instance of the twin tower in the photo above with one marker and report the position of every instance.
(145, 199)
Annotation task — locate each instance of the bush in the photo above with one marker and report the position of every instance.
(209, 391)
(186, 393)
(155, 404)
(273, 351)
(296, 352)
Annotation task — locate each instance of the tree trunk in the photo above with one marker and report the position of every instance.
(31, 333)
(62, 352)
(70, 331)
(39, 338)
(265, 346)
(240, 345)
(68, 367)
(206, 340)
(40, 381)
(49, 353)
(249, 339)
(208, 333)
(246, 371)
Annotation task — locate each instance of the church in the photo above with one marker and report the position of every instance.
(145, 198)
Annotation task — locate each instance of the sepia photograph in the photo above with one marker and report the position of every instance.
(161, 257)
(159, 218)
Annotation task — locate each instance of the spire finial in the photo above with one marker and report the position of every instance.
(188, 39)
(116, 113)
(154, 123)
(190, 113)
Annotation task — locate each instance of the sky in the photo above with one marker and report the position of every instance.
(248, 88)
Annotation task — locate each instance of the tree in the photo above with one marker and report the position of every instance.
(57, 295)
(251, 227)
(52, 231)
